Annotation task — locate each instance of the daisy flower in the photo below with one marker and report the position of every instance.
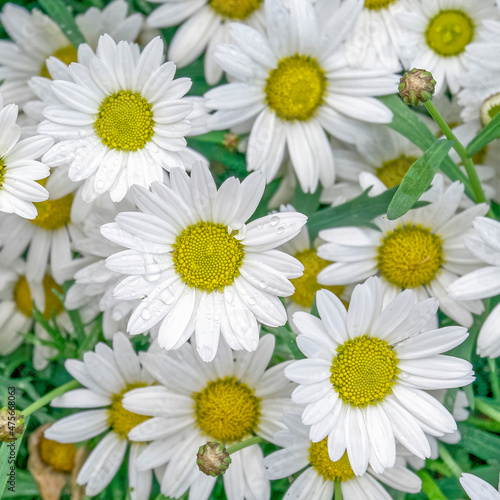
(477, 488)
(205, 23)
(35, 37)
(198, 267)
(423, 250)
(483, 282)
(437, 33)
(121, 120)
(293, 85)
(318, 479)
(366, 373)
(106, 374)
(228, 400)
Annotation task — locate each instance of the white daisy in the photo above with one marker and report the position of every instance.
(293, 85)
(318, 479)
(198, 267)
(121, 120)
(367, 371)
(204, 25)
(436, 34)
(423, 250)
(35, 37)
(477, 488)
(106, 376)
(227, 400)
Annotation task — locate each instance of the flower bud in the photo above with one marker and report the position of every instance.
(416, 86)
(213, 459)
(11, 424)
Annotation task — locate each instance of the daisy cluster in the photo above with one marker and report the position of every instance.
(255, 271)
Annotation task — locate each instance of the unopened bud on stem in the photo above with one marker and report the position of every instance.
(416, 87)
(11, 424)
(213, 459)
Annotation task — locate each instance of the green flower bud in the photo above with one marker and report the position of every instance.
(11, 424)
(416, 87)
(213, 459)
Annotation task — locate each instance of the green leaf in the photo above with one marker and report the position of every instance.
(484, 445)
(306, 203)
(60, 14)
(488, 134)
(430, 488)
(418, 179)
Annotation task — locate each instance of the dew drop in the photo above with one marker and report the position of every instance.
(145, 315)
(280, 229)
(263, 284)
(274, 220)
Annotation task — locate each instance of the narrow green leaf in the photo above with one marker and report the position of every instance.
(488, 134)
(418, 179)
(306, 203)
(484, 445)
(60, 14)
(429, 487)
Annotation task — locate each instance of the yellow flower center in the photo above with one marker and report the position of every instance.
(378, 4)
(449, 32)
(296, 88)
(125, 121)
(3, 170)
(391, 172)
(410, 256)
(234, 9)
(330, 471)
(207, 257)
(121, 420)
(307, 285)
(480, 156)
(60, 456)
(364, 371)
(490, 109)
(24, 303)
(226, 409)
(67, 55)
(53, 214)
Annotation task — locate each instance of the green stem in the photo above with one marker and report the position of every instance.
(338, 490)
(487, 410)
(58, 391)
(244, 444)
(446, 457)
(495, 380)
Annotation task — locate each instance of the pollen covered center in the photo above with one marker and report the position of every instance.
(67, 55)
(489, 109)
(391, 172)
(330, 471)
(121, 420)
(378, 4)
(227, 410)
(53, 214)
(410, 256)
(125, 121)
(296, 88)
(23, 300)
(207, 257)
(364, 371)
(60, 456)
(449, 32)
(235, 9)
(307, 285)
(3, 170)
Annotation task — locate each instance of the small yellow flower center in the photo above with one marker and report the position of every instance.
(364, 371)
(490, 109)
(410, 256)
(226, 410)
(449, 32)
(125, 121)
(22, 297)
(391, 172)
(378, 4)
(121, 420)
(3, 170)
(307, 285)
(207, 257)
(53, 214)
(480, 156)
(60, 456)
(296, 88)
(330, 471)
(67, 55)
(234, 9)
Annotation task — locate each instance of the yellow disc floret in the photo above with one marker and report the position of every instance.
(449, 32)
(330, 471)
(378, 4)
(2, 170)
(489, 109)
(307, 285)
(234, 9)
(226, 409)
(60, 456)
(53, 214)
(121, 420)
(207, 257)
(296, 88)
(125, 121)
(410, 256)
(391, 172)
(22, 297)
(364, 371)
(67, 55)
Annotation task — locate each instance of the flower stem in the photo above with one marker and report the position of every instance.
(338, 490)
(495, 381)
(486, 409)
(446, 457)
(58, 391)
(244, 444)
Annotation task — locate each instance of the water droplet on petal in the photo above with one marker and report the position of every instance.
(262, 284)
(280, 229)
(274, 220)
(146, 314)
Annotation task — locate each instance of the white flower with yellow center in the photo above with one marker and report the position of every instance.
(423, 250)
(437, 33)
(318, 479)
(198, 267)
(35, 37)
(292, 86)
(478, 489)
(106, 374)
(366, 373)
(121, 120)
(204, 25)
(228, 400)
